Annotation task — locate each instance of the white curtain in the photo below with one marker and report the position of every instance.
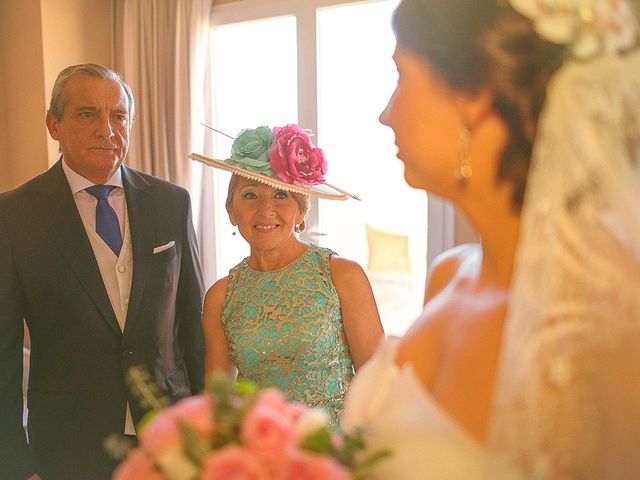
(161, 48)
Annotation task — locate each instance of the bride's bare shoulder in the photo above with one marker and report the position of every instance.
(450, 266)
(423, 343)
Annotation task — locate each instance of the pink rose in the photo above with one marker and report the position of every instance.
(267, 428)
(294, 158)
(160, 435)
(308, 466)
(197, 412)
(297, 410)
(273, 398)
(233, 463)
(163, 432)
(136, 466)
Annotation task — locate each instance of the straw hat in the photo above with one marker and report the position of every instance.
(283, 158)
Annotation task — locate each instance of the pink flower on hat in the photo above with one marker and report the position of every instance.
(293, 157)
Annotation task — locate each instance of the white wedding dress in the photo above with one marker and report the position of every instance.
(403, 417)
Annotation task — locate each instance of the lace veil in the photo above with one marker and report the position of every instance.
(568, 392)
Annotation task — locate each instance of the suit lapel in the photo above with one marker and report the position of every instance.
(62, 220)
(139, 204)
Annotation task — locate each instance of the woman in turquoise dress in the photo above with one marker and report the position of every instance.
(291, 315)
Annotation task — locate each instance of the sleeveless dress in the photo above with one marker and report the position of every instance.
(401, 416)
(284, 329)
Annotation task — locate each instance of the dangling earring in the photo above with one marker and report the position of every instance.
(300, 227)
(463, 171)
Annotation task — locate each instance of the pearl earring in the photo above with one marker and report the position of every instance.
(464, 170)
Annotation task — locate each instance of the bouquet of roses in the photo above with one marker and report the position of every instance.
(237, 431)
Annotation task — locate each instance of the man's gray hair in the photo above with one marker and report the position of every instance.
(58, 100)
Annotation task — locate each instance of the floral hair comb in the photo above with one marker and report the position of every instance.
(283, 158)
(587, 27)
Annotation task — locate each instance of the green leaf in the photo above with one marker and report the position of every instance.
(117, 446)
(360, 470)
(195, 446)
(318, 441)
(145, 390)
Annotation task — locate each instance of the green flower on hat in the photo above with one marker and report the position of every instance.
(250, 150)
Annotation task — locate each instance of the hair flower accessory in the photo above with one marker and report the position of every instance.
(283, 158)
(294, 158)
(587, 27)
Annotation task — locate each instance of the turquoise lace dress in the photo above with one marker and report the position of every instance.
(284, 329)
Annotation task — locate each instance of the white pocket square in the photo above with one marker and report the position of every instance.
(164, 247)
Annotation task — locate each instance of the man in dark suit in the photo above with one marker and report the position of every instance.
(106, 278)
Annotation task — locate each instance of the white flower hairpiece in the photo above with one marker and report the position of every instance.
(586, 27)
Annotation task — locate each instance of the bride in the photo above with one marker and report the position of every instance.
(525, 361)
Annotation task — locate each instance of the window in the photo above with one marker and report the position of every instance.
(327, 65)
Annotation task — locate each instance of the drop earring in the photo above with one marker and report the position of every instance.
(463, 171)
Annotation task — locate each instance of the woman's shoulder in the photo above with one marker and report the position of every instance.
(450, 266)
(344, 268)
(217, 292)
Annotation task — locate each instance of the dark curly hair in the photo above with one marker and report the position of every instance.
(475, 44)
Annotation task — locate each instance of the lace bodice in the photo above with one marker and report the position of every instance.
(284, 329)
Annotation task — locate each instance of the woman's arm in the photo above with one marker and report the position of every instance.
(216, 354)
(359, 311)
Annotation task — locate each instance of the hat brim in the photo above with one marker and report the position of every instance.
(322, 190)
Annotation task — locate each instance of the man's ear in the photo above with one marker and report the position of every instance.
(52, 125)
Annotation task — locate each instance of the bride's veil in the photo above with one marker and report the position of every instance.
(567, 401)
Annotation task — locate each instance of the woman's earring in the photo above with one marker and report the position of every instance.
(300, 227)
(463, 171)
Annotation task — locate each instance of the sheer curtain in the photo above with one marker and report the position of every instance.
(161, 48)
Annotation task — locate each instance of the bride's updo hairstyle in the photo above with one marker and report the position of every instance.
(475, 44)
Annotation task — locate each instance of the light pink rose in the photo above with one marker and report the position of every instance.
(137, 466)
(308, 466)
(233, 463)
(267, 428)
(297, 410)
(160, 435)
(163, 432)
(294, 158)
(273, 398)
(197, 413)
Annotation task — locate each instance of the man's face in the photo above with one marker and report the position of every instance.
(93, 132)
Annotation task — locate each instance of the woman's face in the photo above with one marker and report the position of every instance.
(265, 216)
(423, 115)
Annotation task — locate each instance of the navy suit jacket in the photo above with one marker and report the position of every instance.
(79, 357)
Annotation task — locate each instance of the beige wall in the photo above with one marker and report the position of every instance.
(37, 39)
(23, 99)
